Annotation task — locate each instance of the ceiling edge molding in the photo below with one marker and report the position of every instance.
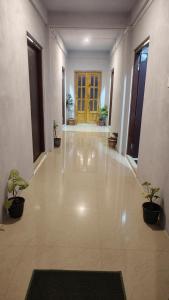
(119, 40)
(139, 11)
(59, 40)
(41, 10)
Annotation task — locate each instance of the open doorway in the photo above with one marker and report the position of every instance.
(111, 96)
(63, 95)
(36, 95)
(139, 79)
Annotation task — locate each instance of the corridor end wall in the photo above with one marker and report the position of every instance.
(89, 61)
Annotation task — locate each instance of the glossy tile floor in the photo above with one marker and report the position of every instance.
(86, 128)
(83, 211)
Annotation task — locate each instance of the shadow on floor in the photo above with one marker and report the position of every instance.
(161, 223)
(7, 220)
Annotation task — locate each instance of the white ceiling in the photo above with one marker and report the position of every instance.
(106, 6)
(99, 40)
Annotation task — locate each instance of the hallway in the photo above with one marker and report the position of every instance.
(86, 128)
(83, 211)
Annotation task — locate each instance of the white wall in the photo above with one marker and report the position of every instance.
(16, 18)
(121, 63)
(154, 141)
(40, 9)
(57, 61)
(89, 61)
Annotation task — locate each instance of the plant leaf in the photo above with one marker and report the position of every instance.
(11, 185)
(8, 203)
(21, 183)
(23, 186)
(146, 183)
(13, 174)
(15, 181)
(147, 196)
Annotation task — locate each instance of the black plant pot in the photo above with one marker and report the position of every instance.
(16, 209)
(57, 142)
(151, 212)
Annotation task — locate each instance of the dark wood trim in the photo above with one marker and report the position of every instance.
(135, 96)
(144, 43)
(133, 101)
(111, 95)
(63, 97)
(31, 42)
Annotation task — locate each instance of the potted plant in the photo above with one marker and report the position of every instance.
(57, 140)
(15, 204)
(151, 210)
(112, 140)
(103, 116)
(69, 105)
(69, 100)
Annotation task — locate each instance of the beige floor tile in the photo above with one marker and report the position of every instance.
(122, 230)
(83, 211)
(50, 258)
(78, 229)
(145, 273)
(9, 260)
(149, 274)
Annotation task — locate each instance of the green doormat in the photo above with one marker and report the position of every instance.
(75, 285)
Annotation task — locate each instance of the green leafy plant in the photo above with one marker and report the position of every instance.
(103, 113)
(69, 100)
(151, 193)
(15, 184)
(55, 126)
(70, 106)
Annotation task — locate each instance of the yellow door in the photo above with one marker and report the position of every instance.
(87, 87)
(81, 92)
(93, 96)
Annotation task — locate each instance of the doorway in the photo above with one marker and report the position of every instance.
(36, 95)
(63, 96)
(139, 79)
(111, 96)
(87, 87)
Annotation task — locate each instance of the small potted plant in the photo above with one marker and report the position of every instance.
(151, 210)
(15, 204)
(69, 100)
(69, 105)
(57, 140)
(103, 116)
(112, 140)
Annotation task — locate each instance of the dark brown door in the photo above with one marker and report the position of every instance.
(63, 95)
(111, 96)
(35, 81)
(139, 79)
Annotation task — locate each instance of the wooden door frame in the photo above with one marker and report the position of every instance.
(35, 45)
(134, 92)
(111, 95)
